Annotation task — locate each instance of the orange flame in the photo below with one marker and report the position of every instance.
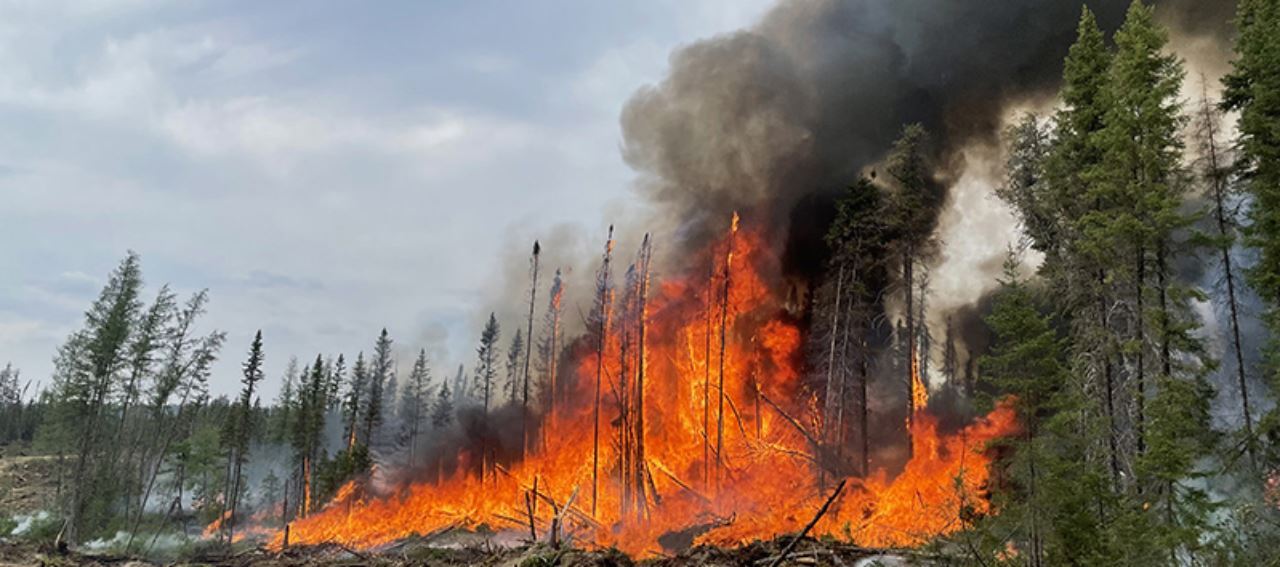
(768, 484)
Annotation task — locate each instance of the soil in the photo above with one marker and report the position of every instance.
(27, 482)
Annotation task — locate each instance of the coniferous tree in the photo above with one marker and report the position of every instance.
(442, 410)
(380, 371)
(549, 345)
(915, 204)
(285, 402)
(1253, 90)
(514, 369)
(308, 430)
(353, 406)
(241, 430)
(416, 403)
(336, 374)
(487, 361)
(859, 258)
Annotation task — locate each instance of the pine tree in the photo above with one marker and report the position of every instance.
(859, 258)
(285, 402)
(1218, 178)
(89, 369)
(442, 410)
(915, 204)
(242, 430)
(415, 402)
(1026, 363)
(515, 357)
(353, 406)
(336, 374)
(378, 376)
(1141, 171)
(549, 345)
(1076, 267)
(486, 361)
(308, 430)
(1253, 89)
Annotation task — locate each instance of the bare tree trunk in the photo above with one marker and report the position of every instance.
(706, 387)
(603, 328)
(1219, 190)
(640, 460)
(1109, 384)
(524, 402)
(865, 453)
(833, 331)
(908, 284)
(724, 322)
(1140, 327)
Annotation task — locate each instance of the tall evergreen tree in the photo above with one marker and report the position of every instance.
(308, 432)
(1026, 363)
(416, 403)
(514, 367)
(241, 430)
(1075, 266)
(285, 401)
(1253, 90)
(859, 257)
(914, 212)
(88, 371)
(487, 361)
(379, 373)
(353, 405)
(442, 410)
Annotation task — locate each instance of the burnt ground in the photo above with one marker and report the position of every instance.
(760, 554)
(27, 482)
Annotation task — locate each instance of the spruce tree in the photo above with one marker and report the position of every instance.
(1142, 172)
(514, 369)
(442, 410)
(242, 430)
(1025, 363)
(487, 361)
(353, 405)
(379, 373)
(416, 405)
(1253, 90)
(915, 205)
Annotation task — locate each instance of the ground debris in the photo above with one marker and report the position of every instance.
(420, 552)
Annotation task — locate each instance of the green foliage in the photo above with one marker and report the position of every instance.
(343, 467)
(1253, 89)
(379, 373)
(486, 363)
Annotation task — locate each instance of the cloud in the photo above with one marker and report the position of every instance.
(322, 182)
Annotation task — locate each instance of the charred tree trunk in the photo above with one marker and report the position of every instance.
(832, 412)
(724, 323)
(1140, 322)
(1109, 405)
(706, 386)
(602, 299)
(640, 460)
(863, 431)
(908, 284)
(1218, 189)
(524, 400)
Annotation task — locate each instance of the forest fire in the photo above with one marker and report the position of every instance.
(706, 432)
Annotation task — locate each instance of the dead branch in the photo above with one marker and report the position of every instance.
(821, 511)
(670, 475)
(812, 440)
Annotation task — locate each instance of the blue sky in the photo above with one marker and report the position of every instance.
(325, 168)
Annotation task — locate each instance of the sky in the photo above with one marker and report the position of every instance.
(324, 168)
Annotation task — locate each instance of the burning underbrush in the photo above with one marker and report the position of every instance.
(683, 419)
